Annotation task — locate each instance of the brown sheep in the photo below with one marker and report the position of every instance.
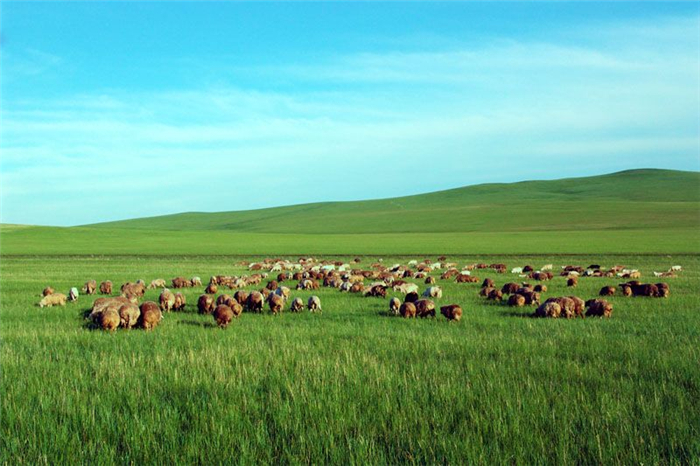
(47, 291)
(314, 304)
(645, 289)
(425, 308)
(55, 299)
(572, 282)
(255, 302)
(607, 291)
(282, 277)
(394, 305)
(540, 288)
(150, 315)
(265, 292)
(378, 291)
(429, 280)
(241, 296)
(223, 299)
(516, 300)
(223, 315)
(452, 312)
(510, 288)
(297, 305)
(495, 295)
(549, 309)
(205, 304)
(407, 310)
(90, 287)
(211, 288)
(598, 308)
(488, 283)
(579, 305)
(180, 282)
(531, 297)
(235, 307)
(129, 315)
(195, 281)
(272, 285)
(180, 302)
(462, 278)
(166, 300)
(106, 287)
(663, 291)
(485, 291)
(411, 297)
(136, 290)
(276, 303)
(626, 290)
(109, 320)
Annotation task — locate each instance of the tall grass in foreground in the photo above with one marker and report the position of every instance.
(351, 385)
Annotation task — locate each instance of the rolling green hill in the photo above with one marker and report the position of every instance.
(624, 200)
(639, 211)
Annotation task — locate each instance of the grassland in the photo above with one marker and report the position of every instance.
(352, 385)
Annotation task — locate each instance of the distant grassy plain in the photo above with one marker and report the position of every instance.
(354, 384)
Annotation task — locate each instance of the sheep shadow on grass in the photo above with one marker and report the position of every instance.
(195, 323)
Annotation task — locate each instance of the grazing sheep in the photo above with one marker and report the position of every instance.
(150, 315)
(516, 300)
(485, 291)
(55, 299)
(462, 278)
(276, 303)
(157, 283)
(223, 315)
(236, 307)
(425, 308)
(180, 302)
(488, 283)
(394, 305)
(645, 289)
(102, 304)
(407, 310)
(579, 305)
(90, 287)
(283, 291)
(223, 299)
(495, 295)
(265, 292)
(272, 285)
(433, 292)
(195, 281)
(297, 305)
(211, 288)
(547, 267)
(314, 304)
(205, 304)
(47, 291)
(136, 290)
(406, 288)
(241, 296)
(166, 300)
(429, 280)
(180, 282)
(540, 288)
(516, 270)
(452, 312)
(255, 301)
(626, 289)
(411, 297)
(663, 291)
(598, 308)
(510, 288)
(129, 315)
(531, 297)
(106, 287)
(549, 309)
(607, 291)
(675, 268)
(572, 282)
(73, 294)
(377, 290)
(109, 320)
(527, 269)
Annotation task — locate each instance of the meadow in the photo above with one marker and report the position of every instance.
(353, 384)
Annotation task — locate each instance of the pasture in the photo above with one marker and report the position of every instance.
(353, 384)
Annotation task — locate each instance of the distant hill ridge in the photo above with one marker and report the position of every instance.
(645, 198)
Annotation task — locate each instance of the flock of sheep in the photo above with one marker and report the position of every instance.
(124, 311)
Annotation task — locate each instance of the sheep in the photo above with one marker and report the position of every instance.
(236, 308)
(180, 282)
(255, 301)
(195, 281)
(663, 291)
(211, 288)
(425, 308)
(547, 267)
(572, 282)
(180, 302)
(462, 278)
(151, 315)
(579, 306)
(314, 304)
(516, 300)
(598, 308)
(452, 312)
(223, 315)
(429, 280)
(90, 287)
(272, 285)
(549, 309)
(675, 268)
(205, 304)
(223, 299)
(73, 294)
(516, 270)
(276, 303)
(109, 320)
(55, 299)
(102, 304)
(607, 291)
(510, 288)
(241, 296)
(495, 295)
(47, 291)
(166, 300)
(406, 288)
(626, 289)
(485, 291)
(130, 290)
(411, 297)
(157, 283)
(106, 287)
(297, 305)
(488, 283)
(394, 305)
(129, 315)
(407, 310)
(540, 288)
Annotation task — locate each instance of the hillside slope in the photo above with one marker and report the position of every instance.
(635, 199)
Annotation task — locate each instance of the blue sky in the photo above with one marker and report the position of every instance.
(120, 110)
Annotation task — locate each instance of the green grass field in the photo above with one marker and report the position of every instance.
(354, 384)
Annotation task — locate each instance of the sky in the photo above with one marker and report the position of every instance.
(119, 110)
